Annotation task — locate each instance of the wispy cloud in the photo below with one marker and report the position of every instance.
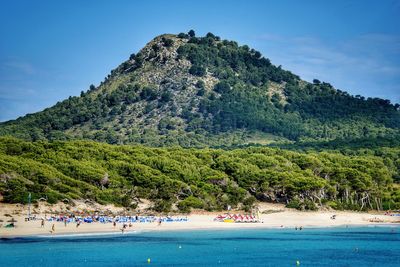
(367, 64)
(19, 66)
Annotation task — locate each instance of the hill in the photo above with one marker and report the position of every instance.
(203, 91)
(211, 179)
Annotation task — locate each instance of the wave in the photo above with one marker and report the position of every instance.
(94, 234)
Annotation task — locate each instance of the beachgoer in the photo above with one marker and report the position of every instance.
(65, 222)
(53, 228)
(114, 224)
(301, 228)
(42, 223)
(295, 228)
(130, 225)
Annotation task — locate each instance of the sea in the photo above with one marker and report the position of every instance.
(352, 246)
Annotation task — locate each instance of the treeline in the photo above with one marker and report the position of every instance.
(209, 179)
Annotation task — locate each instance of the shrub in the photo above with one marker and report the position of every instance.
(162, 205)
(294, 203)
(306, 204)
(197, 70)
(309, 205)
(201, 92)
(222, 87)
(200, 84)
(166, 97)
(190, 202)
(148, 93)
(191, 33)
(334, 205)
(248, 203)
(168, 42)
(183, 35)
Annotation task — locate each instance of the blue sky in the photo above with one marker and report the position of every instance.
(50, 50)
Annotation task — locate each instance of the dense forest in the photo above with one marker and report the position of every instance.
(203, 91)
(181, 179)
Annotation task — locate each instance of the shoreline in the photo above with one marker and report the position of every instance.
(280, 220)
(272, 216)
(136, 232)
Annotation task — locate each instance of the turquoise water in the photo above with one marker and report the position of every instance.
(366, 246)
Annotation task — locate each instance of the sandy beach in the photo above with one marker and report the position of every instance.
(272, 216)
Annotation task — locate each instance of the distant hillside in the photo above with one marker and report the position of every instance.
(211, 179)
(203, 91)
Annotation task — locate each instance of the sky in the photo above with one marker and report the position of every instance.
(50, 50)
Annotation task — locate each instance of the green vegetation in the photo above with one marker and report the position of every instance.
(254, 94)
(207, 179)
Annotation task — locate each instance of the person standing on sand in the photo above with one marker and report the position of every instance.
(53, 228)
(42, 223)
(65, 222)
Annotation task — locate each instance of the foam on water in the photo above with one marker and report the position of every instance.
(89, 234)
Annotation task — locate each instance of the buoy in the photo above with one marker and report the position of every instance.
(180, 246)
(297, 262)
(148, 260)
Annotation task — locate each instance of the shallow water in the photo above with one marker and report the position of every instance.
(364, 246)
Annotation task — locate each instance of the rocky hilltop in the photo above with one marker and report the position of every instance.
(204, 91)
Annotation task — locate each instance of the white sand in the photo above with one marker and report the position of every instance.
(281, 217)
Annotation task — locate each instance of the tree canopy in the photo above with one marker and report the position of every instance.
(209, 179)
